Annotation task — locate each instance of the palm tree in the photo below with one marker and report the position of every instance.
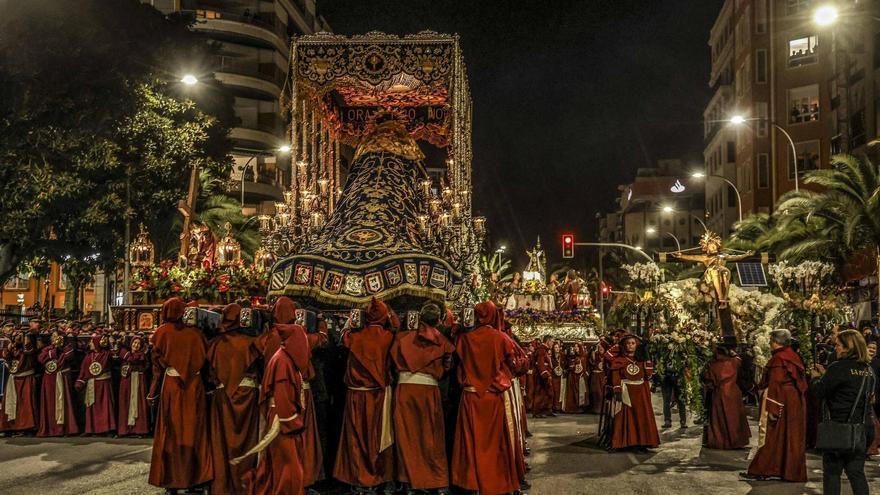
(215, 208)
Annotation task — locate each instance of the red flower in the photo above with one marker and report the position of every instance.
(224, 278)
(223, 288)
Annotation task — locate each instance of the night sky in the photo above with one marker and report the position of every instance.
(570, 97)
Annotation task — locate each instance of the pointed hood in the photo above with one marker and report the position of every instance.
(486, 314)
(377, 313)
(172, 310)
(284, 310)
(231, 314)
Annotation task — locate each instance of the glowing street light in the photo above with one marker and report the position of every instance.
(189, 79)
(284, 149)
(737, 119)
(668, 209)
(698, 175)
(826, 15)
(650, 230)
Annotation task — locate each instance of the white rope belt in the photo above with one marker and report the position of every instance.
(624, 392)
(11, 400)
(387, 438)
(90, 388)
(409, 378)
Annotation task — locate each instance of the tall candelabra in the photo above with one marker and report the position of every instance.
(446, 227)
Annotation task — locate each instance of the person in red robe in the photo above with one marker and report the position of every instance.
(181, 447)
(530, 375)
(542, 401)
(597, 377)
(421, 357)
(558, 375)
(96, 384)
(484, 452)
(134, 418)
(280, 470)
(20, 400)
(576, 389)
(782, 431)
(364, 459)
(234, 403)
(633, 423)
(57, 413)
(516, 366)
(728, 426)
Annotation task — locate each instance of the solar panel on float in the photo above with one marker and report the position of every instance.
(751, 275)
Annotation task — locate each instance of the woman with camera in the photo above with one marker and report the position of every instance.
(846, 387)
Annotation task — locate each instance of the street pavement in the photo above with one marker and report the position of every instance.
(564, 460)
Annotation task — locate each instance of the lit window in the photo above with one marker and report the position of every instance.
(807, 158)
(18, 282)
(802, 51)
(803, 104)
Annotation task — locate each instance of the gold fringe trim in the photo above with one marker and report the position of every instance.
(320, 295)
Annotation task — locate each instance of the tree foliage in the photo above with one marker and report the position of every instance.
(89, 113)
(833, 223)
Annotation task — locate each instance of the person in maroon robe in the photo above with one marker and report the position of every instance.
(181, 447)
(57, 413)
(421, 357)
(516, 366)
(542, 402)
(728, 426)
(280, 470)
(782, 431)
(530, 375)
(558, 375)
(234, 403)
(364, 458)
(484, 454)
(20, 400)
(95, 383)
(633, 424)
(134, 418)
(576, 389)
(597, 377)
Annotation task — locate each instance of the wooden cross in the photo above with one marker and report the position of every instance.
(187, 209)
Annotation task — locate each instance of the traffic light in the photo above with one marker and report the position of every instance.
(567, 246)
(604, 290)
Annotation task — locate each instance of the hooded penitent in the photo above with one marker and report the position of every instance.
(231, 314)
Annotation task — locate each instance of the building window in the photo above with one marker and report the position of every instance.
(731, 152)
(802, 51)
(761, 16)
(795, 6)
(18, 282)
(761, 66)
(763, 171)
(803, 104)
(762, 122)
(807, 158)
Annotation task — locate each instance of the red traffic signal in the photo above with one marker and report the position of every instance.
(604, 289)
(567, 246)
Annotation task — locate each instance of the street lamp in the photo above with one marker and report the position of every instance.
(650, 230)
(739, 119)
(284, 149)
(189, 79)
(826, 15)
(701, 175)
(500, 252)
(669, 209)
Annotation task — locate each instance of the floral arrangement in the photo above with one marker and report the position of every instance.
(806, 277)
(644, 274)
(533, 287)
(212, 283)
(685, 348)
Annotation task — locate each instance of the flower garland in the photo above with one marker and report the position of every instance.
(643, 274)
(213, 283)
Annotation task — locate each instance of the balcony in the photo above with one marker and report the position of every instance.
(216, 17)
(255, 138)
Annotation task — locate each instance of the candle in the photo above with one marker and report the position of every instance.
(322, 184)
(426, 187)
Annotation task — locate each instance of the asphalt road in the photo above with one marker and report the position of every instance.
(564, 460)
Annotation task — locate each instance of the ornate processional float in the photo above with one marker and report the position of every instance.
(379, 203)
